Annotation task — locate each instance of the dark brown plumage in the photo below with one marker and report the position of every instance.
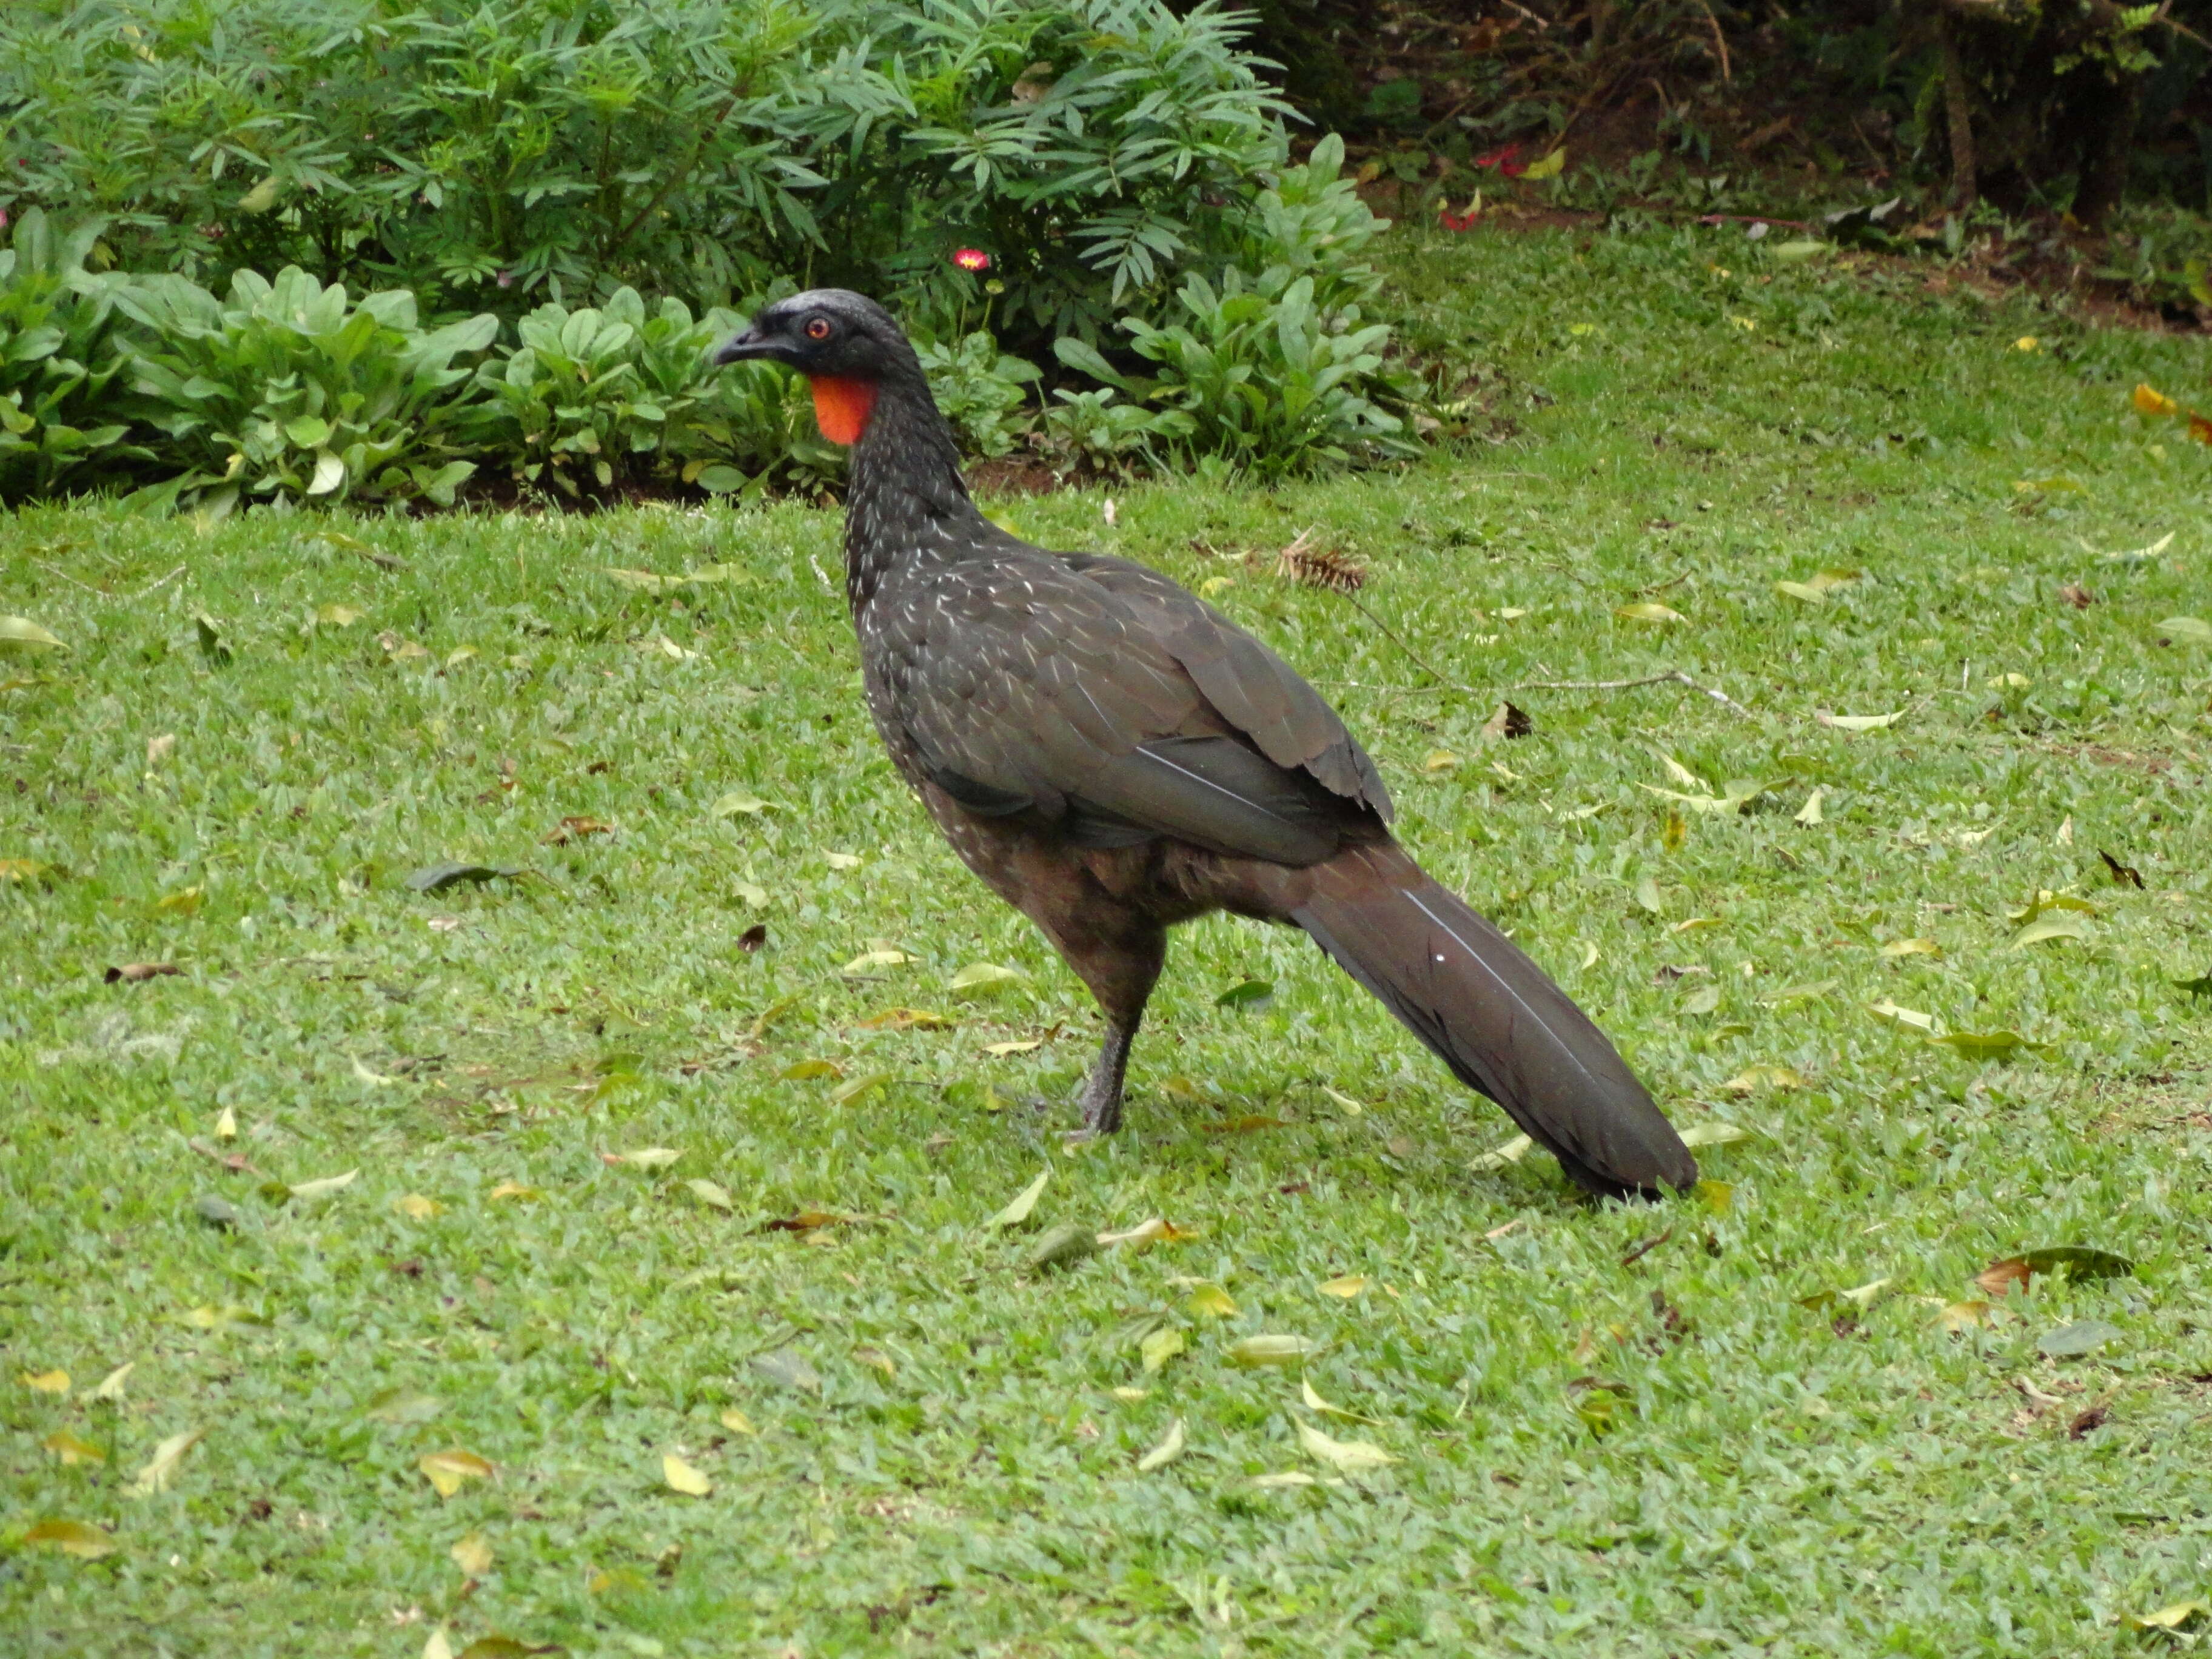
(1113, 755)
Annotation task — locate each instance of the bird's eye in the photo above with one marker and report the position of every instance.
(817, 328)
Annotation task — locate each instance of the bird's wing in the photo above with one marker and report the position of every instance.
(1025, 686)
(1253, 689)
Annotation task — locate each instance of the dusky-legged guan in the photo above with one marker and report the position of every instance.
(1113, 755)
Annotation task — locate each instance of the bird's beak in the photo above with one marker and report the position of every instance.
(745, 348)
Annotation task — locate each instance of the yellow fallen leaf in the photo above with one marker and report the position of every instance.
(324, 1186)
(436, 1646)
(1144, 1234)
(1498, 1157)
(1166, 1452)
(1271, 1349)
(47, 1382)
(161, 1468)
(2148, 400)
(1162, 1346)
(1754, 1077)
(1130, 1395)
(712, 1193)
(226, 1126)
(1439, 760)
(1210, 1301)
(868, 961)
(450, 1468)
(416, 1207)
(511, 1190)
(471, 1554)
(1347, 1287)
(2170, 1618)
(1959, 1316)
(1912, 947)
(111, 1386)
(70, 1450)
(1856, 722)
(1023, 1045)
(1714, 1132)
(1315, 1402)
(73, 1538)
(1650, 611)
(842, 861)
(1344, 1457)
(648, 1157)
(738, 1423)
(682, 1477)
(1547, 166)
(1898, 1015)
(1287, 1478)
(1018, 1212)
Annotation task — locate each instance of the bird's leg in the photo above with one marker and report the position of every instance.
(1101, 1099)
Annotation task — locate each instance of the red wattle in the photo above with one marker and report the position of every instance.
(841, 407)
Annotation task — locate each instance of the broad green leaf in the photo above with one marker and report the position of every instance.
(2054, 925)
(1271, 1349)
(2082, 1336)
(1714, 1132)
(789, 1368)
(1547, 167)
(1062, 1246)
(1988, 1045)
(2195, 630)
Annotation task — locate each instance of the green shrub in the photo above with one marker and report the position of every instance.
(285, 392)
(979, 388)
(498, 154)
(61, 421)
(1262, 378)
(1092, 429)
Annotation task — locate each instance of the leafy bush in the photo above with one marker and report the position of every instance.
(503, 152)
(1259, 376)
(1092, 429)
(60, 402)
(286, 392)
(978, 387)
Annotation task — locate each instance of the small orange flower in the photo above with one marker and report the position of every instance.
(972, 258)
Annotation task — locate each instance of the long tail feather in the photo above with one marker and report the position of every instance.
(1494, 1016)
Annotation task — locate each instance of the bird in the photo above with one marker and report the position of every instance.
(1113, 756)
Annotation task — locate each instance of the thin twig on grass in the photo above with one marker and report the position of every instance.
(157, 587)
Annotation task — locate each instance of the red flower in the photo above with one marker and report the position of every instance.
(971, 258)
(1506, 161)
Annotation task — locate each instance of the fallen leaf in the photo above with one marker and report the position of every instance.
(1912, 947)
(471, 1554)
(416, 1207)
(739, 801)
(1271, 1349)
(1804, 591)
(908, 1019)
(1249, 1123)
(161, 1468)
(1857, 722)
(70, 1450)
(1439, 760)
(868, 961)
(710, 1193)
(225, 1124)
(983, 978)
(1165, 1453)
(738, 1423)
(1650, 611)
(1810, 813)
(436, 877)
(1754, 1078)
(47, 1382)
(846, 1093)
(1988, 1045)
(403, 1405)
(2175, 1617)
(1958, 1317)
(842, 860)
(1246, 993)
(788, 1368)
(134, 973)
(1714, 1132)
(1017, 1211)
(753, 894)
(1160, 1346)
(1547, 166)
(805, 1221)
(1020, 1046)
(449, 1469)
(111, 1386)
(1344, 1457)
(646, 1157)
(574, 828)
(26, 871)
(1506, 722)
(1209, 1301)
(2121, 873)
(1498, 1157)
(1144, 1234)
(2148, 400)
(186, 902)
(2195, 630)
(72, 1538)
(2076, 595)
(805, 1071)
(1898, 1015)
(1062, 1246)
(1315, 1402)
(22, 633)
(682, 1477)
(2082, 1336)
(1347, 1287)
(513, 1189)
(323, 1187)
(2043, 929)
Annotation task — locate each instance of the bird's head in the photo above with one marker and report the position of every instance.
(846, 345)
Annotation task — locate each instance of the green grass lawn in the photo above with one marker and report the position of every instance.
(1662, 1429)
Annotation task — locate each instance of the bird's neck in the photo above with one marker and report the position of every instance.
(906, 503)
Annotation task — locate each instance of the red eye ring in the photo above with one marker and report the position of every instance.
(817, 328)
